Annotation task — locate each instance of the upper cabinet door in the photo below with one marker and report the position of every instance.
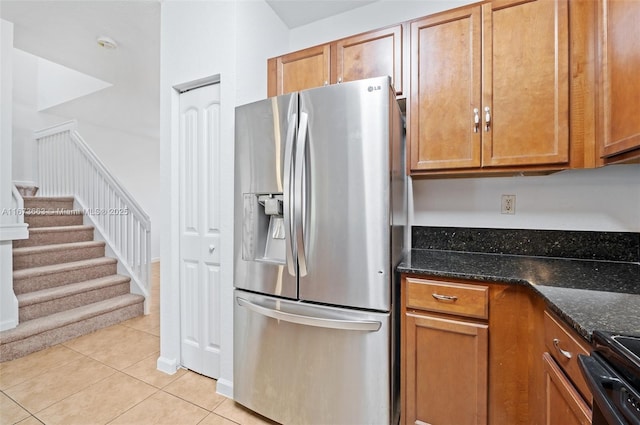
(445, 90)
(619, 85)
(525, 86)
(373, 54)
(304, 69)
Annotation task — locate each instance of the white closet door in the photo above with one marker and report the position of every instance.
(200, 229)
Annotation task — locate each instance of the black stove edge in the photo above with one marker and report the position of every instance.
(623, 359)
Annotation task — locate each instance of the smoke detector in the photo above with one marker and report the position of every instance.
(107, 43)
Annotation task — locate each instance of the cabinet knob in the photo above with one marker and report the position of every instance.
(211, 249)
(487, 118)
(326, 83)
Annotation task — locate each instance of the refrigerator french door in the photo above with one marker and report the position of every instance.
(320, 209)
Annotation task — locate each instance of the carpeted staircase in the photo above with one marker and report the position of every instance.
(65, 285)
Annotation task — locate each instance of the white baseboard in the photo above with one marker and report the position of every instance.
(168, 366)
(225, 388)
(8, 324)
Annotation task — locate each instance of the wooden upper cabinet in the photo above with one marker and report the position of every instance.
(445, 89)
(299, 70)
(619, 82)
(490, 87)
(525, 83)
(372, 54)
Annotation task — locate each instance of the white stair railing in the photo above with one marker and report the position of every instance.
(17, 205)
(68, 167)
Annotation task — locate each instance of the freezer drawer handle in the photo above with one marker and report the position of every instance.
(346, 325)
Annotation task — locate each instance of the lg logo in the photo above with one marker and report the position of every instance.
(372, 88)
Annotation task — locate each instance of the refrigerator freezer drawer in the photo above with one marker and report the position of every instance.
(306, 364)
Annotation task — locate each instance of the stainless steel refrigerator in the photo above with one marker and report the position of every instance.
(320, 211)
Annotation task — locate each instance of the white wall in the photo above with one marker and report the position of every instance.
(604, 199)
(8, 300)
(261, 35)
(198, 40)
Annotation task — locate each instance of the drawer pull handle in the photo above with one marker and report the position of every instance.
(556, 343)
(447, 298)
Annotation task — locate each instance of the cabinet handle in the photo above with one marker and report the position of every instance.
(340, 80)
(487, 118)
(447, 298)
(476, 120)
(211, 249)
(326, 83)
(565, 353)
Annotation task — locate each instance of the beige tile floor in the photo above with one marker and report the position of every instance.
(110, 377)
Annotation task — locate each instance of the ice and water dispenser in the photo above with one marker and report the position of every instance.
(263, 236)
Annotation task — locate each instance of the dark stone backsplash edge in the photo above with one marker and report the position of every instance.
(576, 244)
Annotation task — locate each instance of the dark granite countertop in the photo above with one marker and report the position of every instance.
(590, 295)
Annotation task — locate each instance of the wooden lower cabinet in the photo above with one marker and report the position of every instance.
(564, 405)
(446, 371)
(472, 353)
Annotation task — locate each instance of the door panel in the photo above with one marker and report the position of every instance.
(347, 195)
(619, 90)
(264, 132)
(445, 72)
(311, 374)
(200, 229)
(526, 83)
(302, 70)
(373, 54)
(446, 351)
(564, 405)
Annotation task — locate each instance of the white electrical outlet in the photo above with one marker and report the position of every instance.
(508, 205)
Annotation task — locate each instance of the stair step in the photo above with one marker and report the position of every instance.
(55, 235)
(38, 334)
(44, 277)
(48, 202)
(33, 305)
(45, 255)
(48, 218)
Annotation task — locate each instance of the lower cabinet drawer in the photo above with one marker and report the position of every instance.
(446, 297)
(564, 348)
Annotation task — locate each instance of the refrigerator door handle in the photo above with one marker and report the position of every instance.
(299, 197)
(321, 322)
(289, 196)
